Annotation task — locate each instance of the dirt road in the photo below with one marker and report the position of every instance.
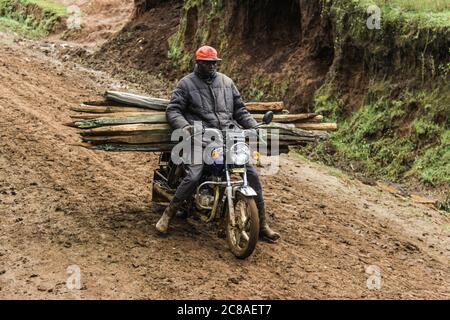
(62, 205)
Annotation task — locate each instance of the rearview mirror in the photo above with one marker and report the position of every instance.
(268, 117)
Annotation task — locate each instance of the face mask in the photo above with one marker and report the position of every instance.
(206, 68)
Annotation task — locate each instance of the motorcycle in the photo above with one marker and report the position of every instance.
(223, 194)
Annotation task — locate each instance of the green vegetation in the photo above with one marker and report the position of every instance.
(208, 20)
(416, 5)
(431, 13)
(208, 27)
(408, 41)
(176, 43)
(401, 129)
(265, 89)
(8, 24)
(50, 6)
(395, 138)
(30, 18)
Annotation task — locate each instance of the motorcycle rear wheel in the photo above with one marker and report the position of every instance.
(247, 230)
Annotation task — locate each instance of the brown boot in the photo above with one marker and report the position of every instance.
(265, 232)
(163, 224)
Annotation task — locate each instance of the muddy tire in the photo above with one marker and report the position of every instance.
(243, 238)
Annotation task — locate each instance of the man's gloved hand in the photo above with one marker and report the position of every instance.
(251, 132)
(189, 129)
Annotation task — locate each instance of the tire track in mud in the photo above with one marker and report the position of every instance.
(350, 235)
(62, 205)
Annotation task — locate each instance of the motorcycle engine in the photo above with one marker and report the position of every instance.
(205, 198)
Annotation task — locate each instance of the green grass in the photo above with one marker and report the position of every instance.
(17, 20)
(432, 13)
(408, 136)
(11, 25)
(416, 5)
(49, 6)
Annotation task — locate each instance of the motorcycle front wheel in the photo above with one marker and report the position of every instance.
(242, 238)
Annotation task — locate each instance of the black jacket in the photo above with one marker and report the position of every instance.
(217, 104)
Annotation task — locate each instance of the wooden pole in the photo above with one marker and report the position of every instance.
(317, 126)
(107, 109)
(265, 106)
(286, 118)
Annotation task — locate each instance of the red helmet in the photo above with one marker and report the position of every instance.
(207, 53)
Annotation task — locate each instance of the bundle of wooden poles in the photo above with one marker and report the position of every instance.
(129, 122)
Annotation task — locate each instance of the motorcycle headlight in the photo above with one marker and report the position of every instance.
(240, 153)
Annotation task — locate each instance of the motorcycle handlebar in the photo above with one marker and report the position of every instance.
(204, 130)
(247, 132)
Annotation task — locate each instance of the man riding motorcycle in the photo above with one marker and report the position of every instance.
(210, 97)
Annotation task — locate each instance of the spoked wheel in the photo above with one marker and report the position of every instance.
(242, 238)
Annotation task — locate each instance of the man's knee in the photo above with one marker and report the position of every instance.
(194, 173)
(252, 173)
(253, 178)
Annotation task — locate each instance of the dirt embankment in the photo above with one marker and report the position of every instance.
(99, 20)
(142, 44)
(284, 40)
(62, 205)
(282, 50)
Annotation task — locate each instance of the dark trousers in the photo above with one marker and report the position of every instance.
(194, 173)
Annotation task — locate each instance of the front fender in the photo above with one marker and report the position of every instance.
(245, 191)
